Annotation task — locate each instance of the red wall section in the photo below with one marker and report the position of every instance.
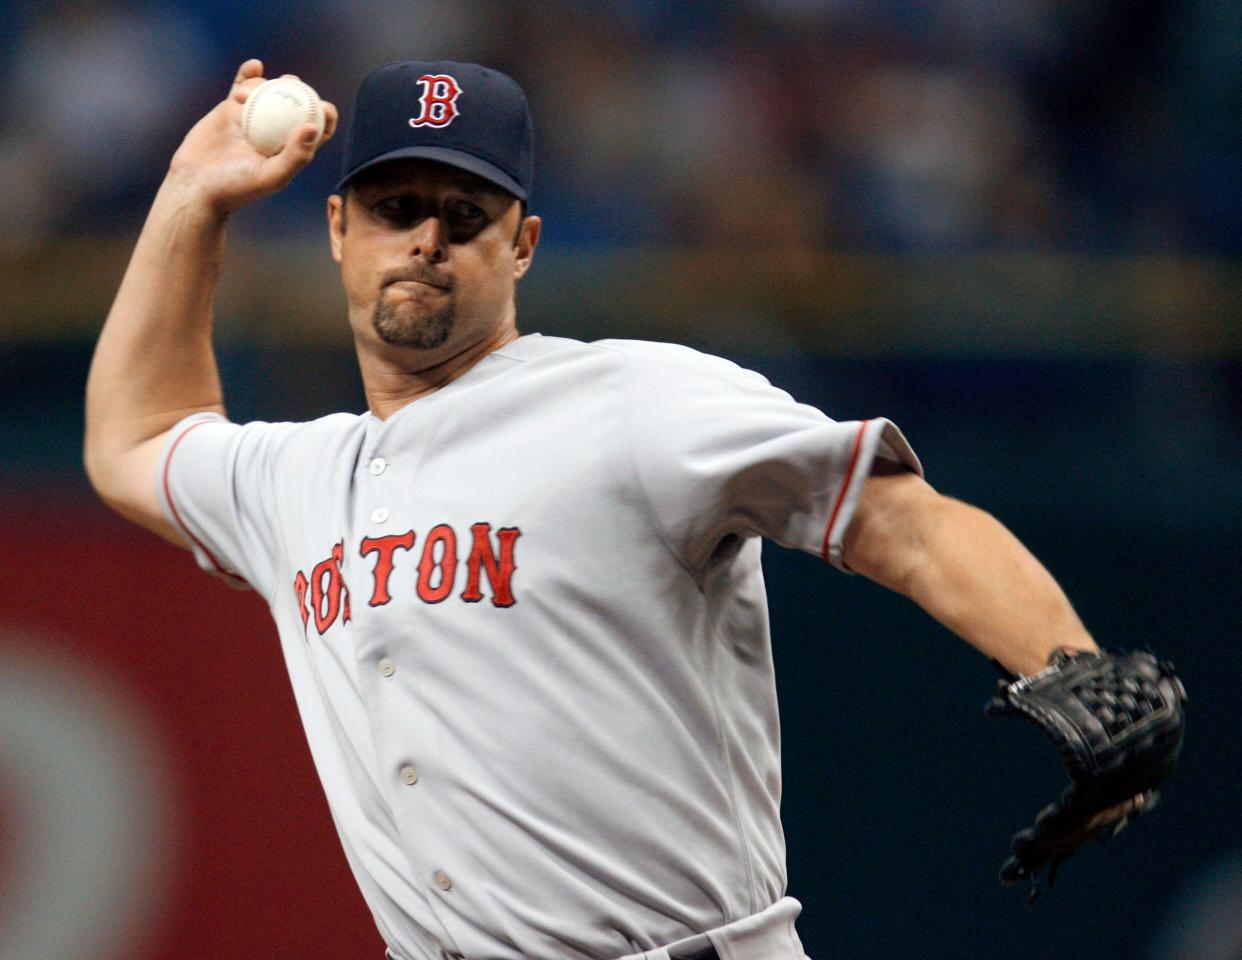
(243, 848)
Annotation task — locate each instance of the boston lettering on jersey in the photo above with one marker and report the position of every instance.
(324, 595)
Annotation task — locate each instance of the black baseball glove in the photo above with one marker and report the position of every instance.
(1117, 721)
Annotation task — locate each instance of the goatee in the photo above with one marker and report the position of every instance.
(403, 323)
(393, 324)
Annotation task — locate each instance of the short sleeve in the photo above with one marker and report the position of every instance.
(718, 450)
(214, 484)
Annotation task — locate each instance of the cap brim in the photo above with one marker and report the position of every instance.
(453, 158)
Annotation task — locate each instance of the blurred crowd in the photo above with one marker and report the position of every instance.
(898, 125)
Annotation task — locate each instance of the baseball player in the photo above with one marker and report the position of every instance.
(520, 597)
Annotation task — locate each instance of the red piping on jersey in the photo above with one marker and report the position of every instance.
(849, 475)
(177, 516)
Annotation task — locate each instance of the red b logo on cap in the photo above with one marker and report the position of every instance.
(439, 101)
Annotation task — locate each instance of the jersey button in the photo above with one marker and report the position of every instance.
(387, 667)
(379, 514)
(443, 881)
(409, 776)
(377, 466)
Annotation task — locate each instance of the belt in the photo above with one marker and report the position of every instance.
(703, 953)
(764, 935)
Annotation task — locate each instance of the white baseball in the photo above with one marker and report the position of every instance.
(274, 108)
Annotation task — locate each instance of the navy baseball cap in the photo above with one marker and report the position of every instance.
(461, 114)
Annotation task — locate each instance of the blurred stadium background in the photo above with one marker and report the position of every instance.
(1013, 227)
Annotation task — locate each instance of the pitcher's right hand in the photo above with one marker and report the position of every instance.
(220, 167)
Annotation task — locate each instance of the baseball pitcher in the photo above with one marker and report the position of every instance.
(520, 597)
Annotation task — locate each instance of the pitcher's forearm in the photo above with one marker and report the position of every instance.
(963, 567)
(981, 582)
(154, 362)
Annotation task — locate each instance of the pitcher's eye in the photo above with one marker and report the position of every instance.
(401, 209)
(466, 212)
(465, 221)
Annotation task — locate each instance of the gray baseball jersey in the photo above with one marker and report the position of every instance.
(525, 623)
